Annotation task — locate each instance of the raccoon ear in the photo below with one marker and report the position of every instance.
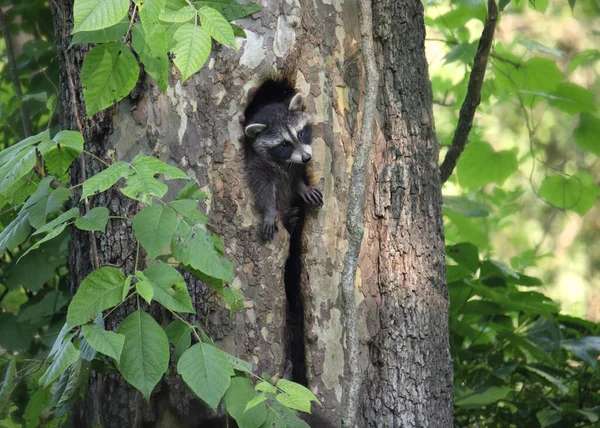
(296, 103)
(253, 130)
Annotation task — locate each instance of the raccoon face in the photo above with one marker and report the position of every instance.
(286, 136)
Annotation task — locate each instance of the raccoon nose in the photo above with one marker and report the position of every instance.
(306, 157)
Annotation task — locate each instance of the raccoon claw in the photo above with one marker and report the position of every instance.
(269, 230)
(313, 197)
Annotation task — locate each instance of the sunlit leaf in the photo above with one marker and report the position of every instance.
(90, 15)
(108, 74)
(207, 372)
(100, 290)
(94, 220)
(191, 50)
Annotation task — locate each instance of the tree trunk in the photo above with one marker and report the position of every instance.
(400, 286)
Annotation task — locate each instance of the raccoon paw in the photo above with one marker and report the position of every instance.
(292, 219)
(269, 229)
(312, 197)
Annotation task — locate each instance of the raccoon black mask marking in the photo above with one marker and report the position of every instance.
(278, 145)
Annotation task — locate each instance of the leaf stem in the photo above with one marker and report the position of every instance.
(96, 157)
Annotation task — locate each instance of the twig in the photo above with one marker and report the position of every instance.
(14, 74)
(354, 219)
(473, 97)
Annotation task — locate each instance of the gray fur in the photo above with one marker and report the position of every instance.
(277, 150)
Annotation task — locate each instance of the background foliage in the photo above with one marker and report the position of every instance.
(519, 212)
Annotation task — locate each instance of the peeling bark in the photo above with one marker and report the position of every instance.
(400, 283)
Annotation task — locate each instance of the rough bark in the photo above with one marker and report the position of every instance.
(400, 290)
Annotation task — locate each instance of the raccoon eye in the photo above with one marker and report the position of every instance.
(285, 144)
(300, 134)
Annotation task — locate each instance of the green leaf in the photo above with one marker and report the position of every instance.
(43, 204)
(191, 50)
(108, 74)
(126, 287)
(63, 359)
(94, 220)
(279, 416)
(577, 193)
(180, 336)
(105, 179)
(465, 254)
(53, 234)
(230, 9)
(234, 298)
(38, 402)
(539, 5)
(58, 221)
(480, 164)
(583, 58)
(238, 364)
(100, 290)
(260, 398)
(150, 12)
(178, 12)
(239, 394)
(464, 206)
(78, 376)
(482, 396)
(15, 233)
(151, 46)
(144, 287)
(217, 26)
(207, 372)
(572, 98)
(192, 246)
(548, 417)
(464, 52)
(295, 396)
(8, 383)
(105, 342)
(587, 134)
(90, 15)
(61, 151)
(170, 289)
(527, 345)
(587, 348)
(36, 310)
(154, 227)
(145, 356)
(191, 191)
(110, 34)
(502, 4)
(189, 210)
(10, 152)
(266, 387)
(548, 377)
(572, 5)
(141, 184)
(14, 169)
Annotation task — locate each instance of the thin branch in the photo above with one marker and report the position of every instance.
(354, 219)
(473, 97)
(14, 74)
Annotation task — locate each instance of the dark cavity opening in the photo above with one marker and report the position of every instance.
(295, 348)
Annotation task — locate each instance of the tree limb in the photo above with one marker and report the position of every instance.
(473, 97)
(14, 74)
(354, 218)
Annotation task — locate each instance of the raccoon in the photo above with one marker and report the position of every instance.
(278, 138)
